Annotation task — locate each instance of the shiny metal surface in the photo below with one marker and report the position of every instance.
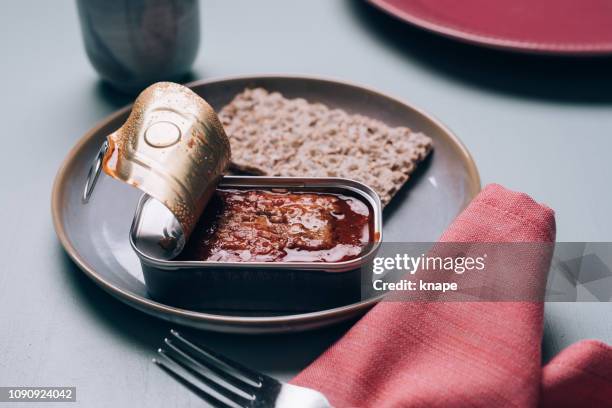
(94, 172)
(220, 381)
(172, 147)
(154, 223)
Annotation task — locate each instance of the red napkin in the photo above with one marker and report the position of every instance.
(459, 354)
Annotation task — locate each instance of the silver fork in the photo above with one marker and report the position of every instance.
(224, 383)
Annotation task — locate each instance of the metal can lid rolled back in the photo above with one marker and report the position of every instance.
(173, 148)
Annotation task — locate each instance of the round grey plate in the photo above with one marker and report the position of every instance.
(96, 235)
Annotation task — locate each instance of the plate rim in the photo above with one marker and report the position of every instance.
(489, 41)
(233, 323)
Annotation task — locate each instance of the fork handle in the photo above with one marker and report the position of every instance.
(293, 396)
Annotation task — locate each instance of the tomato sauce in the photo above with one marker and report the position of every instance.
(280, 226)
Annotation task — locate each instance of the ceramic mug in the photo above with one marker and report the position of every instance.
(134, 43)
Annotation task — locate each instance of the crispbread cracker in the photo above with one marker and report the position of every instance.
(275, 136)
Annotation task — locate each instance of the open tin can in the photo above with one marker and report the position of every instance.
(254, 286)
(174, 149)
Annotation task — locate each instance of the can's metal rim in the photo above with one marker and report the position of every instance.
(263, 324)
(364, 191)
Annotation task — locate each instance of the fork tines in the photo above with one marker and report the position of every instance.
(214, 378)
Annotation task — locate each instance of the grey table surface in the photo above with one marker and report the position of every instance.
(535, 124)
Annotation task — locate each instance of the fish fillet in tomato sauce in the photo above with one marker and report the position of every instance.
(273, 226)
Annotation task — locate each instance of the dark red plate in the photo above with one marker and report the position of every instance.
(567, 27)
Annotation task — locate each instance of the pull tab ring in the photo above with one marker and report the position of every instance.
(94, 173)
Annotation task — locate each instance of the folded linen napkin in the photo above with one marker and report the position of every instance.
(456, 354)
